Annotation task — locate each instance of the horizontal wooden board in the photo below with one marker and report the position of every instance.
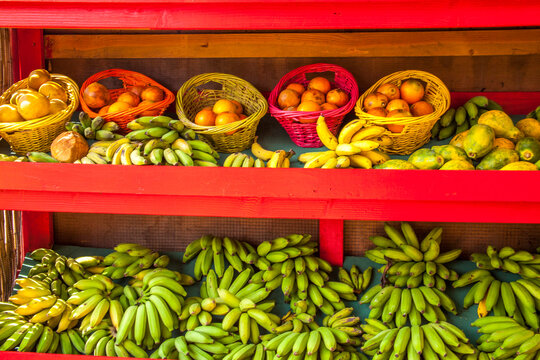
(261, 45)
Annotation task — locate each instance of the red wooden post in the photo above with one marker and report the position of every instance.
(37, 230)
(331, 241)
(27, 51)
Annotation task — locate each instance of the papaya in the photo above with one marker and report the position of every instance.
(503, 143)
(426, 159)
(450, 152)
(529, 127)
(458, 139)
(528, 149)
(479, 141)
(520, 165)
(457, 164)
(497, 158)
(538, 164)
(502, 124)
(395, 164)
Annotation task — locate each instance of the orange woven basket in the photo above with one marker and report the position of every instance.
(129, 79)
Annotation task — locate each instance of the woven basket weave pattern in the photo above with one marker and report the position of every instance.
(417, 130)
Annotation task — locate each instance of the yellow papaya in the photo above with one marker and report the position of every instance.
(503, 143)
(529, 127)
(450, 152)
(497, 158)
(520, 165)
(426, 159)
(478, 141)
(457, 164)
(502, 124)
(528, 149)
(395, 164)
(458, 139)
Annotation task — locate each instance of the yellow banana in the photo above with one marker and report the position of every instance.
(276, 159)
(359, 161)
(305, 157)
(327, 138)
(349, 130)
(347, 149)
(383, 140)
(330, 164)
(111, 150)
(286, 163)
(343, 162)
(260, 152)
(365, 145)
(126, 150)
(377, 157)
(368, 133)
(320, 160)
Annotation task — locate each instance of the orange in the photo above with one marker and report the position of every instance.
(375, 100)
(242, 116)
(421, 108)
(412, 91)
(130, 98)
(337, 97)
(390, 90)
(154, 112)
(205, 117)
(288, 98)
(104, 110)
(291, 108)
(227, 118)
(239, 108)
(308, 106)
(313, 95)
(397, 104)
(137, 90)
(319, 83)
(395, 128)
(378, 111)
(96, 95)
(299, 88)
(224, 105)
(152, 93)
(399, 113)
(328, 106)
(119, 106)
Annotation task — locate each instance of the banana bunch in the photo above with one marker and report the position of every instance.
(275, 159)
(518, 299)
(502, 338)
(101, 341)
(355, 146)
(130, 259)
(243, 160)
(206, 342)
(355, 278)
(457, 120)
(440, 340)
(15, 158)
(517, 262)
(95, 129)
(410, 262)
(214, 250)
(182, 279)
(395, 305)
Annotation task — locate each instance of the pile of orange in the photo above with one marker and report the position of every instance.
(98, 98)
(223, 112)
(389, 100)
(318, 96)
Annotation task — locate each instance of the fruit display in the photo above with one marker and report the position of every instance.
(95, 129)
(223, 111)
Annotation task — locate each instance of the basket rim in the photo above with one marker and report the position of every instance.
(73, 92)
(252, 119)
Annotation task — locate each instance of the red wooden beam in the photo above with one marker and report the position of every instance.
(37, 230)
(331, 241)
(27, 51)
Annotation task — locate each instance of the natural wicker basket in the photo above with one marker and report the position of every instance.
(129, 79)
(192, 98)
(417, 130)
(302, 134)
(38, 134)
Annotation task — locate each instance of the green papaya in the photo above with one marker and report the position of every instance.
(426, 159)
(497, 158)
(450, 152)
(538, 164)
(502, 124)
(458, 139)
(528, 149)
(520, 165)
(457, 164)
(478, 141)
(395, 164)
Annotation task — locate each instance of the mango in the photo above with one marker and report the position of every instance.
(529, 127)
(426, 159)
(457, 164)
(395, 164)
(528, 149)
(520, 165)
(458, 139)
(503, 143)
(497, 158)
(450, 152)
(502, 124)
(478, 141)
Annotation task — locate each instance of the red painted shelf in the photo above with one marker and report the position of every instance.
(268, 15)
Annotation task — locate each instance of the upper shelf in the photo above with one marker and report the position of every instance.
(268, 15)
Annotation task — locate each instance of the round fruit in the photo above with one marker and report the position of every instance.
(390, 90)
(378, 111)
(242, 116)
(152, 93)
(119, 106)
(130, 98)
(96, 95)
(37, 78)
(328, 106)
(337, 97)
(206, 117)
(308, 106)
(291, 108)
(375, 100)
(16, 94)
(227, 118)
(56, 105)
(104, 110)
(299, 88)
(397, 104)
(288, 98)
(9, 113)
(412, 91)
(421, 108)
(33, 106)
(320, 83)
(313, 95)
(399, 113)
(137, 90)
(53, 90)
(239, 108)
(154, 112)
(395, 128)
(224, 105)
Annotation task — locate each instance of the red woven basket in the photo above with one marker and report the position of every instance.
(305, 135)
(129, 79)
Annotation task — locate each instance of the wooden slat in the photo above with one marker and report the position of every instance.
(264, 45)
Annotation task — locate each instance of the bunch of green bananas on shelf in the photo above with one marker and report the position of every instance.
(15, 158)
(129, 259)
(440, 340)
(410, 262)
(395, 305)
(356, 279)
(95, 129)
(205, 342)
(101, 341)
(457, 120)
(519, 299)
(243, 160)
(517, 262)
(183, 279)
(502, 338)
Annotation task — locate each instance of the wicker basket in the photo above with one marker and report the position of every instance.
(305, 135)
(38, 134)
(228, 138)
(417, 130)
(129, 79)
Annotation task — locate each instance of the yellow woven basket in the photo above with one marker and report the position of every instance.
(417, 130)
(204, 90)
(38, 134)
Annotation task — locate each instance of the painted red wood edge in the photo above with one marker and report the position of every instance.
(37, 230)
(331, 241)
(268, 15)
(28, 53)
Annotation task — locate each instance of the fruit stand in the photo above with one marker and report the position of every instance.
(446, 37)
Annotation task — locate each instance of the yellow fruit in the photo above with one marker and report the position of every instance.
(9, 113)
(33, 106)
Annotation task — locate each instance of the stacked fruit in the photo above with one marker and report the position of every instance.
(356, 279)
(224, 111)
(517, 262)
(275, 159)
(243, 160)
(94, 129)
(101, 341)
